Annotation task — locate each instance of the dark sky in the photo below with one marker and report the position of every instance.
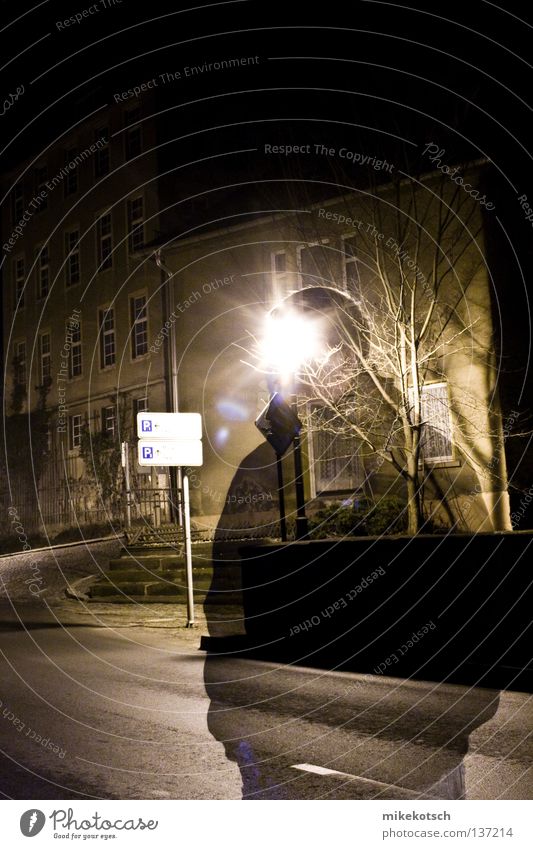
(380, 78)
(461, 71)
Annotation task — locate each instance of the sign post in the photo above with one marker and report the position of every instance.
(124, 451)
(188, 550)
(174, 439)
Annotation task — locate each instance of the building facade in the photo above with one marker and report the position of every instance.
(87, 328)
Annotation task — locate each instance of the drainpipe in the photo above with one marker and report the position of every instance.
(175, 473)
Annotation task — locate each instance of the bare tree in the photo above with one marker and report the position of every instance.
(404, 304)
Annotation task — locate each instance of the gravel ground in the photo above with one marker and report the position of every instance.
(44, 573)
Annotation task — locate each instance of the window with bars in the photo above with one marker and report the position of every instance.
(133, 133)
(437, 434)
(74, 431)
(351, 267)
(104, 242)
(17, 203)
(135, 224)
(336, 465)
(106, 321)
(45, 358)
(101, 155)
(314, 265)
(20, 363)
(72, 257)
(139, 326)
(75, 362)
(43, 272)
(109, 420)
(41, 177)
(70, 182)
(19, 274)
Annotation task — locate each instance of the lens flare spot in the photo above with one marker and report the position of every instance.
(221, 437)
(233, 411)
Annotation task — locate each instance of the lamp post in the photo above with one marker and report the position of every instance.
(175, 473)
(289, 341)
(302, 527)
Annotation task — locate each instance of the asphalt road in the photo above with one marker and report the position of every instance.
(137, 713)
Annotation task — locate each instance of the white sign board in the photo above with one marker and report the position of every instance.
(169, 426)
(155, 452)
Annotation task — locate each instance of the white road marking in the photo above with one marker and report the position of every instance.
(322, 770)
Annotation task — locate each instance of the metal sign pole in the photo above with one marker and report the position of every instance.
(188, 552)
(126, 466)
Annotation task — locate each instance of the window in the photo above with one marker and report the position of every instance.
(71, 179)
(139, 326)
(41, 176)
(140, 405)
(278, 262)
(135, 224)
(314, 265)
(351, 267)
(43, 272)
(18, 203)
(133, 134)
(436, 437)
(101, 156)
(104, 242)
(45, 358)
(75, 362)
(109, 420)
(19, 277)
(336, 466)
(72, 257)
(20, 363)
(106, 320)
(74, 431)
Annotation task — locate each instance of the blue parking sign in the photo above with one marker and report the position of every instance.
(148, 452)
(146, 426)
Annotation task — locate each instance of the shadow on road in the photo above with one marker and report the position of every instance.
(379, 737)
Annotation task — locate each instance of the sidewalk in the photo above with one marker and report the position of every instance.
(33, 594)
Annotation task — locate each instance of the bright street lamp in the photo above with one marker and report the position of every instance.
(290, 340)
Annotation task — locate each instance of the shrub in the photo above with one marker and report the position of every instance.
(360, 518)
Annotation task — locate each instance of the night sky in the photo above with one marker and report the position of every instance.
(378, 78)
